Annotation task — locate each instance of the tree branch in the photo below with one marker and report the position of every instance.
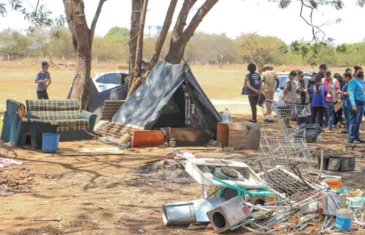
(95, 20)
(198, 17)
(183, 15)
(162, 37)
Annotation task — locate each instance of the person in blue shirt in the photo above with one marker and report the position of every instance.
(345, 100)
(43, 80)
(318, 92)
(253, 83)
(356, 90)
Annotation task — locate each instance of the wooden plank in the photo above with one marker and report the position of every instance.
(191, 136)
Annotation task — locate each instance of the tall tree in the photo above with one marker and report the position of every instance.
(180, 36)
(82, 38)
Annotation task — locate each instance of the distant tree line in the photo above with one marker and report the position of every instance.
(202, 49)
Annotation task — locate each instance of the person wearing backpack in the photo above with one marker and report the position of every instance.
(318, 92)
(333, 88)
(253, 89)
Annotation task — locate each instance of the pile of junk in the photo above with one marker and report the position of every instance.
(280, 199)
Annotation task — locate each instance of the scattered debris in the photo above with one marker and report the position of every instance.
(48, 220)
(5, 162)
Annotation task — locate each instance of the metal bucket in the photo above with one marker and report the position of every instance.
(185, 213)
(180, 213)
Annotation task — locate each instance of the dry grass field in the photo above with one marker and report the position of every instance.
(219, 83)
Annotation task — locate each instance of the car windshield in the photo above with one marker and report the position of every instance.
(110, 78)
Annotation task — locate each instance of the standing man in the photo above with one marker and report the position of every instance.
(269, 79)
(333, 87)
(43, 80)
(322, 70)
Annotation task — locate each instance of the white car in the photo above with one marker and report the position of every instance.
(107, 81)
(283, 77)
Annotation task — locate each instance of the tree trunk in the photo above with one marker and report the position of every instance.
(135, 18)
(81, 86)
(136, 77)
(139, 49)
(162, 37)
(176, 50)
(180, 36)
(82, 38)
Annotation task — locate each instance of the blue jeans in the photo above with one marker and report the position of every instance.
(346, 111)
(330, 114)
(355, 121)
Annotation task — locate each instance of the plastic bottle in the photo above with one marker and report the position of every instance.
(226, 116)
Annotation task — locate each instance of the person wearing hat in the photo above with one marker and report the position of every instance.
(43, 80)
(269, 81)
(333, 88)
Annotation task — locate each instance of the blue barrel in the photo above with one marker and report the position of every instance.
(50, 142)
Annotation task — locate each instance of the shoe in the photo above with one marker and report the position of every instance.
(350, 141)
(360, 141)
(344, 132)
(253, 121)
(327, 129)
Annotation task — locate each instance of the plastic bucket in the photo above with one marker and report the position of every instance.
(344, 220)
(50, 142)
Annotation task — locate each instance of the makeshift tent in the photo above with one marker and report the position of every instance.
(169, 97)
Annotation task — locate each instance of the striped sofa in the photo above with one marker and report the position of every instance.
(73, 124)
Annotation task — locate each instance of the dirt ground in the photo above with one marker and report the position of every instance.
(109, 194)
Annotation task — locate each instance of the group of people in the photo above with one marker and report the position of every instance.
(330, 97)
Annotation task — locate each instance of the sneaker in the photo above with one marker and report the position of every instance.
(344, 132)
(360, 141)
(350, 141)
(253, 121)
(327, 129)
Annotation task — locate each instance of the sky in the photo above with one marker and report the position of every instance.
(232, 17)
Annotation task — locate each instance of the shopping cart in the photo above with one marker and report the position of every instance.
(284, 146)
(293, 111)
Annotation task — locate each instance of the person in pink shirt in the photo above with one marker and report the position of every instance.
(333, 88)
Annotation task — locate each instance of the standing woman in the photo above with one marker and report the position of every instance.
(356, 89)
(302, 86)
(318, 93)
(345, 100)
(290, 91)
(253, 83)
(290, 96)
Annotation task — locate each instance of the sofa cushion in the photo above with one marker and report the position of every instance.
(53, 109)
(52, 116)
(72, 125)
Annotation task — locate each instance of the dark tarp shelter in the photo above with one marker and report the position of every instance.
(160, 100)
